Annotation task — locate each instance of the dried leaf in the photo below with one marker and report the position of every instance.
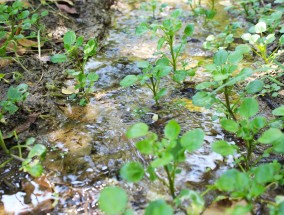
(28, 43)
(69, 90)
(67, 9)
(4, 62)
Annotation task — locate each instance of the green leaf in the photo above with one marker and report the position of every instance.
(161, 93)
(143, 28)
(203, 99)
(92, 76)
(165, 159)
(229, 125)
(264, 173)
(37, 151)
(113, 200)
(172, 130)
(58, 58)
(69, 39)
(189, 29)
(255, 86)
(159, 207)
(281, 40)
(143, 64)
(128, 80)
(90, 48)
(278, 111)
(223, 148)
(145, 146)
(260, 27)
(192, 140)
(243, 48)
(248, 108)
(220, 57)
(270, 136)
(79, 41)
(137, 130)
(132, 172)
(161, 42)
(34, 168)
(258, 123)
(278, 145)
(235, 57)
(30, 141)
(204, 85)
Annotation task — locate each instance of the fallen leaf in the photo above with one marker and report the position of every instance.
(67, 9)
(4, 62)
(281, 92)
(69, 90)
(28, 43)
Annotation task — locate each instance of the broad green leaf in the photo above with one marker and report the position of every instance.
(30, 141)
(143, 64)
(203, 99)
(223, 148)
(189, 29)
(269, 39)
(248, 108)
(176, 13)
(278, 111)
(132, 172)
(159, 207)
(79, 41)
(243, 48)
(260, 27)
(145, 146)
(128, 80)
(165, 159)
(192, 140)
(235, 57)
(278, 145)
(229, 125)
(58, 58)
(37, 151)
(137, 130)
(34, 168)
(204, 85)
(264, 173)
(220, 57)
(92, 76)
(172, 130)
(255, 86)
(162, 92)
(113, 200)
(258, 123)
(90, 48)
(69, 39)
(270, 136)
(141, 29)
(161, 42)
(281, 40)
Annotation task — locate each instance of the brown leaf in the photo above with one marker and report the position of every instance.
(4, 62)
(66, 8)
(28, 43)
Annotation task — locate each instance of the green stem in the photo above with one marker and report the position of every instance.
(171, 182)
(249, 152)
(228, 106)
(171, 44)
(3, 145)
(154, 90)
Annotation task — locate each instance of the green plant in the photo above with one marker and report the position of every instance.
(31, 163)
(150, 77)
(278, 207)
(250, 186)
(74, 49)
(222, 40)
(152, 6)
(166, 153)
(199, 10)
(16, 22)
(259, 42)
(247, 127)
(167, 32)
(224, 77)
(15, 95)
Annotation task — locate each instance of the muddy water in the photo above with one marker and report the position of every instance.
(89, 147)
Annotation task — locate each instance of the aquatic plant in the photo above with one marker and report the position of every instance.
(31, 163)
(166, 153)
(14, 97)
(74, 49)
(167, 33)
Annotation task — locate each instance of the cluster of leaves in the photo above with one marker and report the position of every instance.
(168, 64)
(78, 53)
(222, 40)
(15, 95)
(30, 164)
(166, 153)
(203, 11)
(153, 6)
(17, 22)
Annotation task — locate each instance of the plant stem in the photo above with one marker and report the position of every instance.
(228, 103)
(154, 90)
(171, 44)
(171, 182)
(249, 151)
(3, 145)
